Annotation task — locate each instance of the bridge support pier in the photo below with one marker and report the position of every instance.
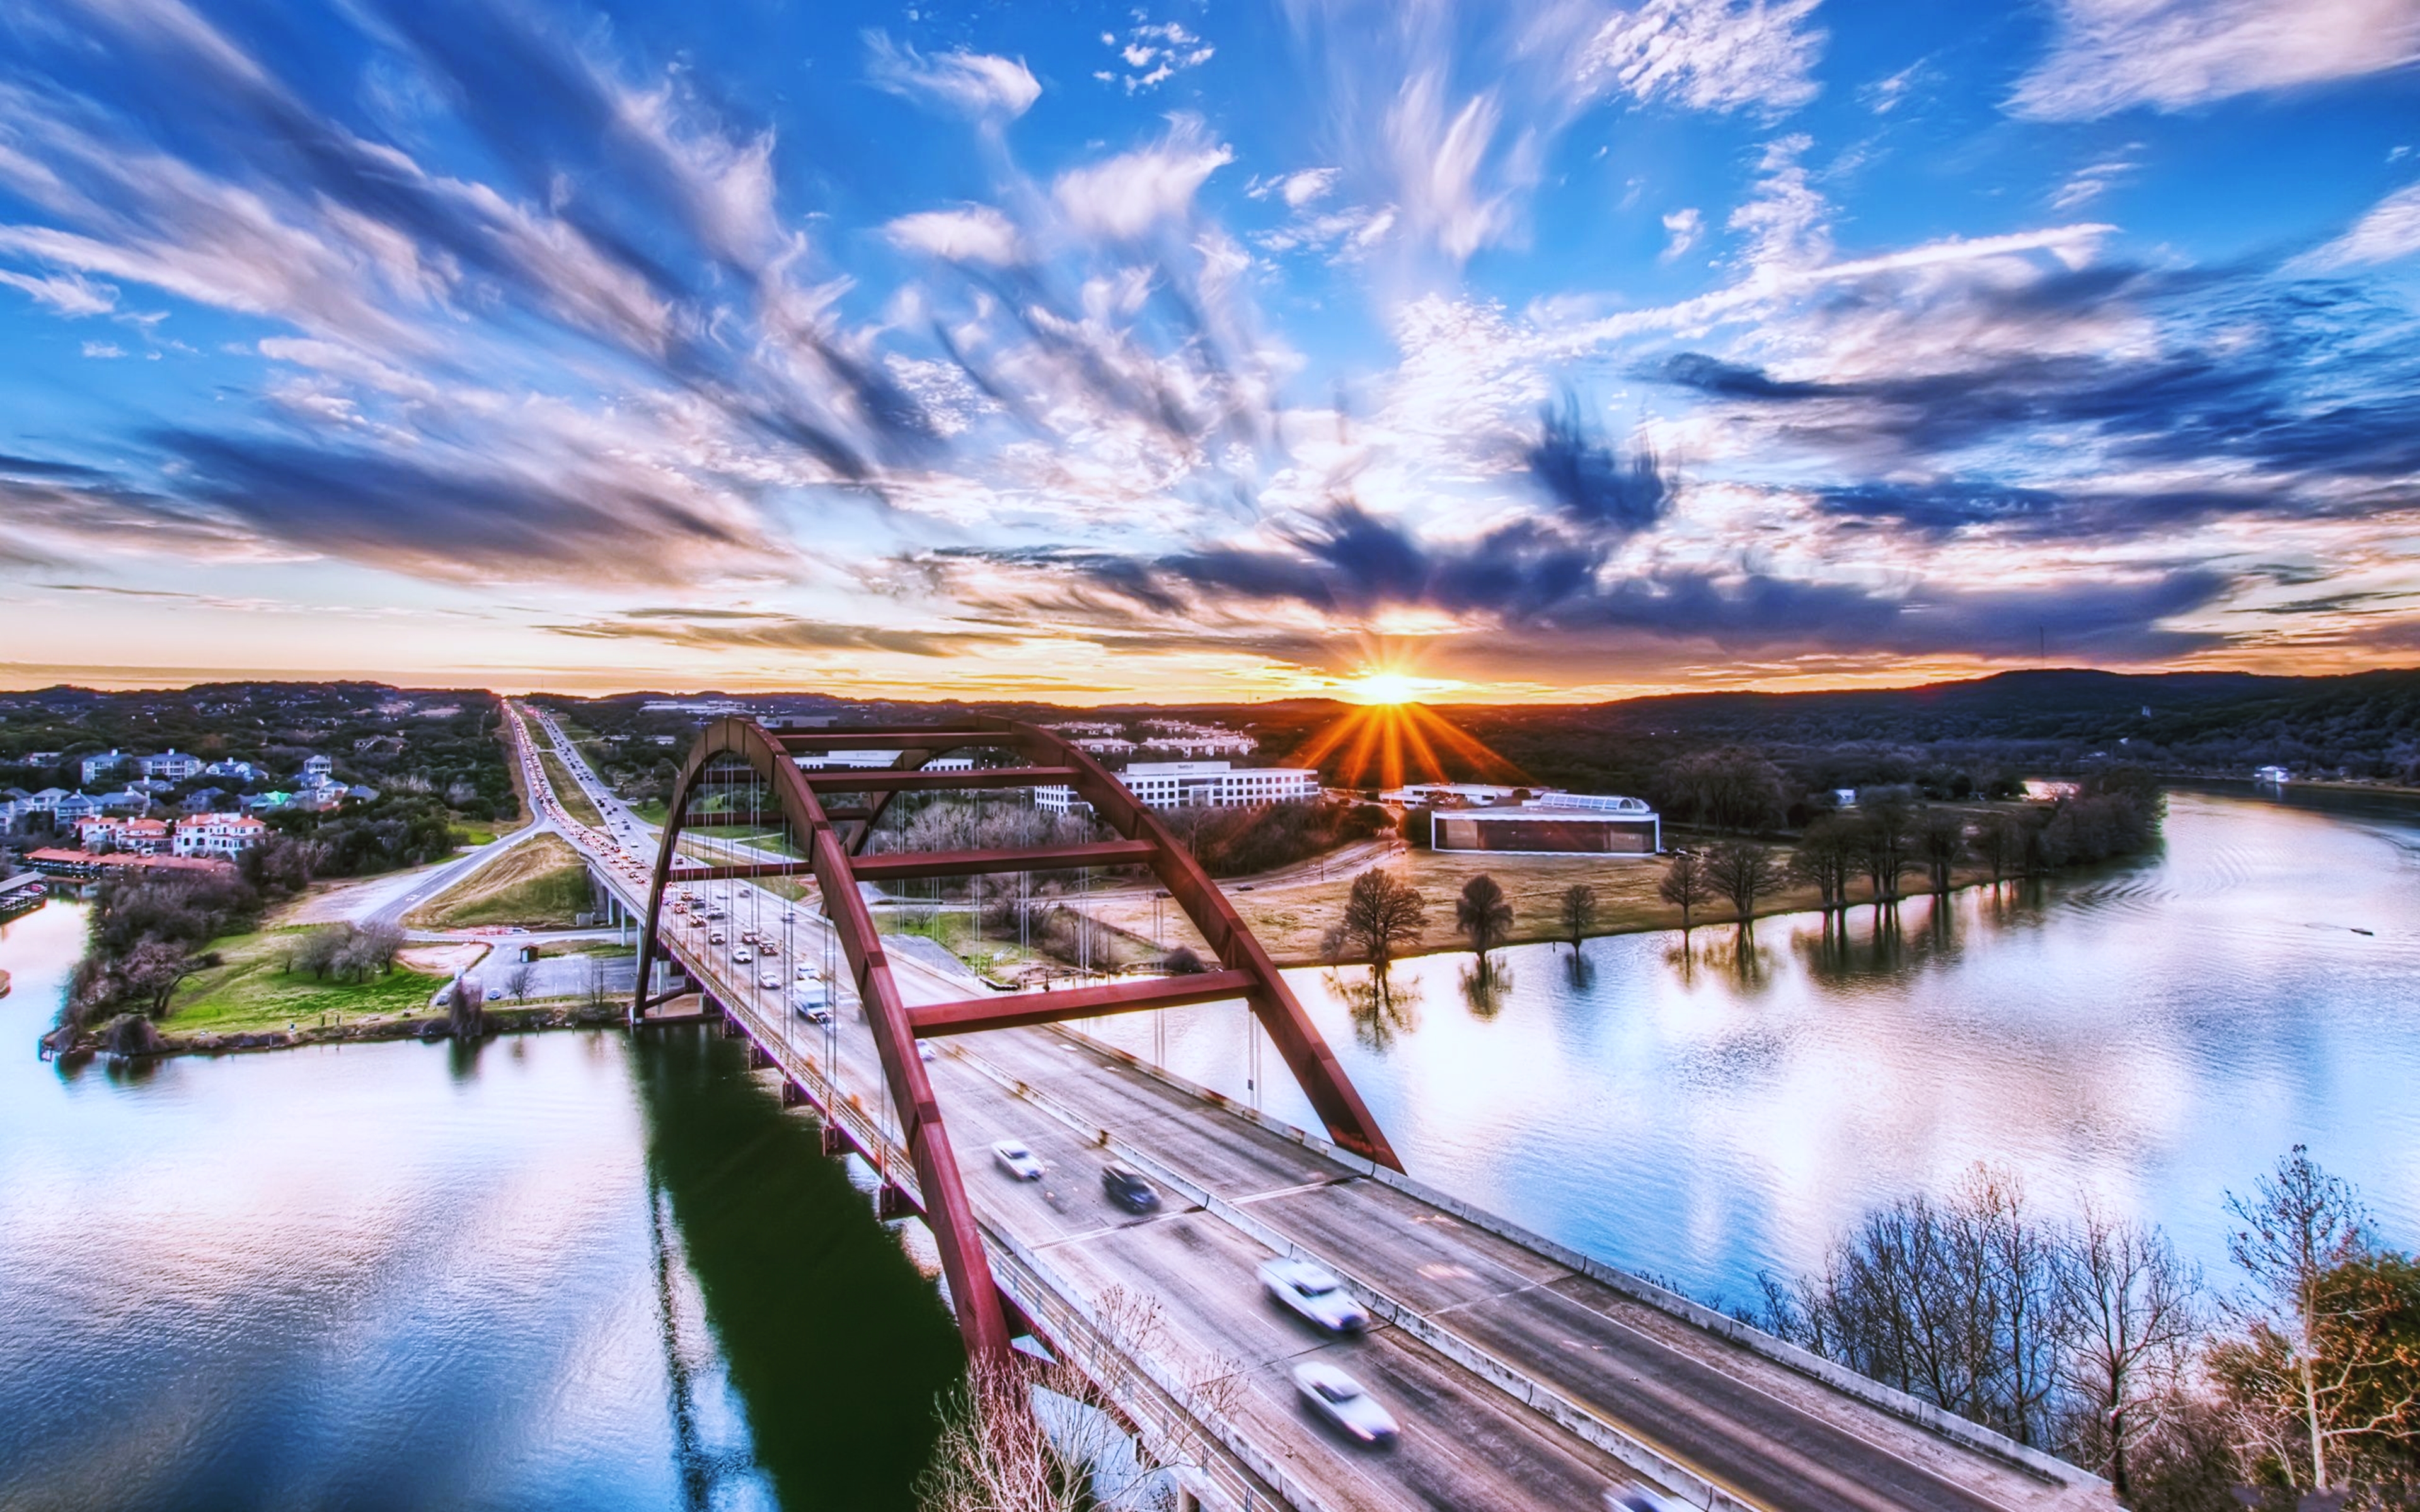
(890, 1202)
(757, 1059)
(792, 1093)
(835, 1142)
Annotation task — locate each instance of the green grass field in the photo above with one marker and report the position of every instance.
(567, 793)
(251, 991)
(539, 884)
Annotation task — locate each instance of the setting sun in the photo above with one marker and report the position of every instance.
(1382, 687)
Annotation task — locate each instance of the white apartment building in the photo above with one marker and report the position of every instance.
(874, 761)
(172, 766)
(223, 835)
(1200, 785)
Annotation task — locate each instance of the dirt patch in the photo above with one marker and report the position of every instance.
(441, 960)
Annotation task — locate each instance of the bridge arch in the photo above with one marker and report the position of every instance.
(835, 840)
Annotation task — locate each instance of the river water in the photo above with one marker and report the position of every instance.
(568, 1270)
(561, 1270)
(2150, 1037)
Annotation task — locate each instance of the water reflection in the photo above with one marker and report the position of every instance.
(1486, 983)
(1725, 1102)
(562, 1271)
(1381, 1008)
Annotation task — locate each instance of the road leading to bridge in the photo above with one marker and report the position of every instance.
(1767, 1436)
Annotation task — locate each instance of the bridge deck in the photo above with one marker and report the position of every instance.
(1473, 1302)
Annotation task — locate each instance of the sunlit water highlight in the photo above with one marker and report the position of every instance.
(2152, 1038)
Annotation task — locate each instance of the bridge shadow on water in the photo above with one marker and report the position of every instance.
(834, 1344)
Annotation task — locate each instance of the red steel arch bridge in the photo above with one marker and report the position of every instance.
(1527, 1374)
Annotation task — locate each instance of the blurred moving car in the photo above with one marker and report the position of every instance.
(1017, 1160)
(1315, 1294)
(769, 980)
(1339, 1398)
(743, 956)
(1128, 1188)
(1636, 1498)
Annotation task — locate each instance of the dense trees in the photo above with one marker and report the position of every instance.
(1730, 789)
(1383, 915)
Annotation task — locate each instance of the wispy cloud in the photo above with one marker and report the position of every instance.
(2170, 54)
(975, 84)
(1710, 55)
(2389, 230)
(1150, 53)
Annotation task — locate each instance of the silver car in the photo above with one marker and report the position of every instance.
(1017, 1159)
(1315, 1294)
(1339, 1398)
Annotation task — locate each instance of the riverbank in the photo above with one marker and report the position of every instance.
(1292, 913)
(522, 1019)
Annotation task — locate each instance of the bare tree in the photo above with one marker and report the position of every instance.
(2132, 1308)
(2300, 1228)
(1483, 916)
(1941, 842)
(1826, 857)
(1883, 840)
(1025, 1438)
(1382, 914)
(1578, 912)
(1685, 886)
(517, 980)
(1743, 871)
(2000, 840)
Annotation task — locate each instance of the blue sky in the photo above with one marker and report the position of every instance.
(1207, 350)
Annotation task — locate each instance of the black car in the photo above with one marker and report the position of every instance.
(1128, 1188)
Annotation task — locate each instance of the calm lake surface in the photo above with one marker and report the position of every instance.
(566, 1270)
(2152, 1037)
(559, 1272)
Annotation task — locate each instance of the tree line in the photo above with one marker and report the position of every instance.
(2093, 1340)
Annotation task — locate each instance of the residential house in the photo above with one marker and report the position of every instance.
(125, 800)
(139, 837)
(379, 746)
(235, 771)
(72, 806)
(43, 758)
(317, 767)
(321, 798)
(267, 802)
(172, 766)
(202, 801)
(96, 835)
(97, 767)
(14, 814)
(223, 835)
(46, 801)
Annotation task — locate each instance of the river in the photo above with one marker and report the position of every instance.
(572, 1271)
(558, 1271)
(2152, 1037)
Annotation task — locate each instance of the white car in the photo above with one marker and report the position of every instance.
(1315, 1294)
(1017, 1160)
(769, 980)
(1635, 1498)
(806, 972)
(743, 956)
(925, 1053)
(1339, 1398)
